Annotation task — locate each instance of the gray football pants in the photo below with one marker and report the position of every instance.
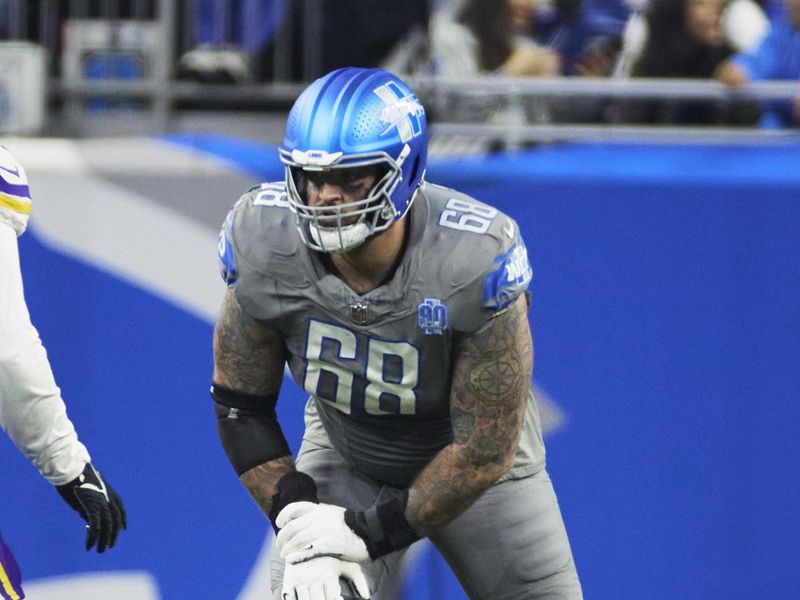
(510, 545)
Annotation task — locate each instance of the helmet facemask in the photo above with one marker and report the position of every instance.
(354, 117)
(340, 227)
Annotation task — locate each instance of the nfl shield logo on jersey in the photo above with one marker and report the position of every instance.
(432, 316)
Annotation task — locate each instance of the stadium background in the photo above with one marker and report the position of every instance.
(667, 326)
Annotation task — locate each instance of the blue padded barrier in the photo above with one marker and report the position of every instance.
(666, 318)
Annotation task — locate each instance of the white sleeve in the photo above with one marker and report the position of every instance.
(15, 197)
(32, 412)
(634, 39)
(454, 49)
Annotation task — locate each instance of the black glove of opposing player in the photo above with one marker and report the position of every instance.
(98, 504)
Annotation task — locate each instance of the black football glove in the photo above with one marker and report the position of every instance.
(98, 504)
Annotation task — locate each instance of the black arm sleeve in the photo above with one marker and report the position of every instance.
(248, 428)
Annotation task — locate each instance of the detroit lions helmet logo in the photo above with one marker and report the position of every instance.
(402, 112)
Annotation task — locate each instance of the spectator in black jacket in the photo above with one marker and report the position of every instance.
(686, 41)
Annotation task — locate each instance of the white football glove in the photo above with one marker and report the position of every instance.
(308, 530)
(318, 579)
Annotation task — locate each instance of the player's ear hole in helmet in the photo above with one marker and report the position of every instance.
(352, 118)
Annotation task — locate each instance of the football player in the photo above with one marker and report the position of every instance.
(401, 308)
(32, 411)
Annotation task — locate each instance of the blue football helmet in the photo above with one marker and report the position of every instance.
(354, 117)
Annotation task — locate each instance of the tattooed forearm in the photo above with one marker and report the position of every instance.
(491, 383)
(261, 481)
(248, 356)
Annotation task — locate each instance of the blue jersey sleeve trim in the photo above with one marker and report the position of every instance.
(227, 257)
(509, 277)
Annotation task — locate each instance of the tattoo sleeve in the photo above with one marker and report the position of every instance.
(491, 382)
(261, 481)
(250, 357)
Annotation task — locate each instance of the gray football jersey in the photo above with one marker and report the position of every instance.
(380, 364)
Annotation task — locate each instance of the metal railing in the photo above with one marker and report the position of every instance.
(510, 130)
(161, 96)
(513, 127)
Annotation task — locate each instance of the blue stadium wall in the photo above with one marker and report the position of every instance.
(666, 319)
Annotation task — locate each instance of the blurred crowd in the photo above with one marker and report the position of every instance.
(730, 41)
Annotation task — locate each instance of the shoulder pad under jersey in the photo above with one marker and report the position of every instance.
(257, 244)
(487, 264)
(15, 197)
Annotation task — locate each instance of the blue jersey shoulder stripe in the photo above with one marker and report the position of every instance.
(510, 275)
(227, 258)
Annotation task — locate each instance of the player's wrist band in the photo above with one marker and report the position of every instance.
(383, 526)
(295, 486)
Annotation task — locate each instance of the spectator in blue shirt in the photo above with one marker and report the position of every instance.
(587, 34)
(229, 35)
(777, 57)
